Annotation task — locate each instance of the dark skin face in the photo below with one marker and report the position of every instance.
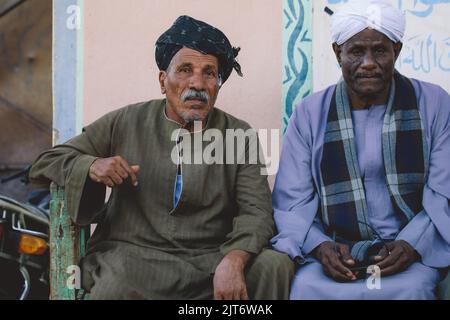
(368, 61)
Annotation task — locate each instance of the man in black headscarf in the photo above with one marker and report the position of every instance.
(171, 229)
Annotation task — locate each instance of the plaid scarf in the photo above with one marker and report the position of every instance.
(344, 207)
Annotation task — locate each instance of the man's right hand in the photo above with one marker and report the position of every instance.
(335, 258)
(113, 171)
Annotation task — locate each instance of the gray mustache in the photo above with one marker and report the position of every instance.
(195, 95)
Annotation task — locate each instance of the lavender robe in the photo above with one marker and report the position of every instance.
(296, 201)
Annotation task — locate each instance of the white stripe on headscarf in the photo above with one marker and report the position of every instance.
(358, 15)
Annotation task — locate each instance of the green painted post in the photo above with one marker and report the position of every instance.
(67, 246)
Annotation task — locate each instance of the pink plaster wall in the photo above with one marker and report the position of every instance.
(119, 65)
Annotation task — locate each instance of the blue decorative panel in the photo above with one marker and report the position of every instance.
(297, 54)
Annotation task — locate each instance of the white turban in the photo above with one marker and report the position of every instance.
(358, 15)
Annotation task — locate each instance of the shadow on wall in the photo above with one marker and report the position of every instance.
(25, 86)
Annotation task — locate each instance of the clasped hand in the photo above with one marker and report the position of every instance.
(336, 259)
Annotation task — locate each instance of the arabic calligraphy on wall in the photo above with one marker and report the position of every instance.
(425, 53)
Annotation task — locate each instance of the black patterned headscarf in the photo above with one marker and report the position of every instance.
(200, 36)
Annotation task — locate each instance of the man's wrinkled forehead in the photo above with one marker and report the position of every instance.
(368, 37)
(191, 57)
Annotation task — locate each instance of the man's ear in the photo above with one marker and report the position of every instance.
(337, 51)
(162, 80)
(397, 49)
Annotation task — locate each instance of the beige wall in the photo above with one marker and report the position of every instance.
(119, 64)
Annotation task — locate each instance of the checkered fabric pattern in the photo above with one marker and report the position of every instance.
(344, 207)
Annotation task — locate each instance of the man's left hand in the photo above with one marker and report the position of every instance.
(399, 257)
(229, 279)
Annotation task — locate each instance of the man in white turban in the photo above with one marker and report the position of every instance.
(359, 15)
(361, 199)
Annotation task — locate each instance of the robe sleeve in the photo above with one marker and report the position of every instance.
(68, 166)
(253, 225)
(295, 199)
(429, 231)
(316, 236)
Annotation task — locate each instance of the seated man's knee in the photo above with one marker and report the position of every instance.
(269, 276)
(273, 263)
(418, 289)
